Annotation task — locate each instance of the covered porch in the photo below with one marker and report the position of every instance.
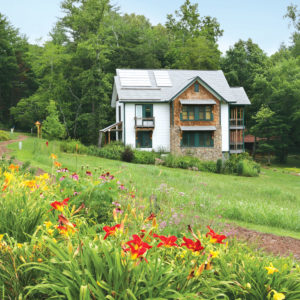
(106, 133)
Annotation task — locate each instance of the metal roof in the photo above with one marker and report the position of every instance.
(240, 96)
(197, 101)
(197, 128)
(214, 81)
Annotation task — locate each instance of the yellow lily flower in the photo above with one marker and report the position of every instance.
(278, 296)
(214, 254)
(271, 269)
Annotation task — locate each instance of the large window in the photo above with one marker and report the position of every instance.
(196, 113)
(197, 139)
(144, 139)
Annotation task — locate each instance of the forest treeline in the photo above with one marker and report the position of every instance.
(75, 69)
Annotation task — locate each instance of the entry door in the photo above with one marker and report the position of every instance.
(144, 139)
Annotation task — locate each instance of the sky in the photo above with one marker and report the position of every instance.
(260, 20)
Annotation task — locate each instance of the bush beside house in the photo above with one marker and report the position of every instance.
(240, 164)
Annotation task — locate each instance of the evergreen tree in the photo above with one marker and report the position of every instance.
(52, 126)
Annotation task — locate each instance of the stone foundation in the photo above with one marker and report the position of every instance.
(203, 153)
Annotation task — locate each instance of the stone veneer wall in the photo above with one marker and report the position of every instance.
(204, 153)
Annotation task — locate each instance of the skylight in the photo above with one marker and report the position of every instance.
(134, 78)
(162, 78)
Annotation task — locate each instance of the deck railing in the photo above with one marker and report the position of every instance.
(144, 122)
(236, 122)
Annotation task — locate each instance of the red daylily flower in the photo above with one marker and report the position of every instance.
(215, 238)
(151, 217)
(47, 143)
(68, 228)
(137, 247)
(60, 205)
(110, 230)
(190, 244)
(167, 241)
(65, 230)
(63, 220)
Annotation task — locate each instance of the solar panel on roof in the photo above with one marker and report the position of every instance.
(134, 78)
(162, 78)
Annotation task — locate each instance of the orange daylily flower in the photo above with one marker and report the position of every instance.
(13, 167)
(53, 156)
(57, 164)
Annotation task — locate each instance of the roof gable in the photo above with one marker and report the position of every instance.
(214, 81)
(204, 84)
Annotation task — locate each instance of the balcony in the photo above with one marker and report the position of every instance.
(236, 122)
(146, 123)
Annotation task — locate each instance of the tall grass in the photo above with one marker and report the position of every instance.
(271, 200)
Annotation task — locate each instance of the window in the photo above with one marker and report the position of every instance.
(144, 139)
(196, 87)
(188, 112)
(197, 113)
(144, 110)
(197, 139)
(144, 115)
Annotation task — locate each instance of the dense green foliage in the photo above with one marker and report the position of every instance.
(75, 68)
(4, 136)
(16, 76)
(51, 126)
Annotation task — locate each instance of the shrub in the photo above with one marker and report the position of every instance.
(128, 154)
(247, 168)
(70, 146)
(4, 136)
(207, 166)
(241, 164)
(219, 165)
(186, 162)
(145, 157)
(111, 151)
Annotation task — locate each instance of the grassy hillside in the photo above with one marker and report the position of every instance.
(269, 203)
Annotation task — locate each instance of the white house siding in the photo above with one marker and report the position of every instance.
(225, 126)
(161, 133)
(119, 136)
(129, 124)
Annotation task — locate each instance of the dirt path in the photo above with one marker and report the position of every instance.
(278, 245)
(3, 148)
(5, 151)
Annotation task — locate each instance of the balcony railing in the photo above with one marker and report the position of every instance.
(236, 122)
(144, 122)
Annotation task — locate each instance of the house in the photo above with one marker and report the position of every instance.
(181, 111)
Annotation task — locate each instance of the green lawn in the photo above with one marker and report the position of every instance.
(268, 203)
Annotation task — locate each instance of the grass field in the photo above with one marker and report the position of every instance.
(268, 203)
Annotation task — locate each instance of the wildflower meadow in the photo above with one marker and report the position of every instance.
(86, 235)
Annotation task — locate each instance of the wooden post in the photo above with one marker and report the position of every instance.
(100, 139)
(109, 136)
